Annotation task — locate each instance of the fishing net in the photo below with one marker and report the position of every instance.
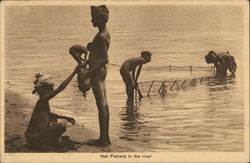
(173, 68)
(162, 87)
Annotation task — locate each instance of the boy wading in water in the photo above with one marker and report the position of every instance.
(98, 59)
(43, 131)
(222, 61)
(130, 66)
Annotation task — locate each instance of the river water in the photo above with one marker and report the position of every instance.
(206, 117)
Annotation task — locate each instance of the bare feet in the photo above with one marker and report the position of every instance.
(109, 142)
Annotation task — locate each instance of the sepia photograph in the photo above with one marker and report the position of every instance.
(119, 81)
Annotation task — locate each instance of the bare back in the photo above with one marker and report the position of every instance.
(132, 63)
(40, 117)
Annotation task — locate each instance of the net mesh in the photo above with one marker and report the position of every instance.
(162, 87)
(173, 68)
(154, 87)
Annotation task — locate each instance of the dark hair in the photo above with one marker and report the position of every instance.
(89, 46)
(145, 54)
(211, 52)
(101, 12)
(210, 57)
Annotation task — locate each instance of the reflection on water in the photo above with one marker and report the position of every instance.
(222, 80)
(223, 83)
(135, 125)
(133, 120)
(203, 118)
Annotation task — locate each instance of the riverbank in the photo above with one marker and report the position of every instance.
(16, 121)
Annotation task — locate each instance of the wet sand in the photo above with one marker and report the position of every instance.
(16, 121)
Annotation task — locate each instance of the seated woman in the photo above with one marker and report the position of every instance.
(222, 62)
(43, 131)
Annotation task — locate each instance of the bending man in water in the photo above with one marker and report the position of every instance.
(222, 61)
(98, 59)
(130, 66)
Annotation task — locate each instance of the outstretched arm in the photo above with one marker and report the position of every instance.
(217, 66)
(133, 77)
(62, 86)
(136, 79)
(221, 64)
(56, 116)
(138, 72)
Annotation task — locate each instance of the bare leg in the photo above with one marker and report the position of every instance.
(130, 92)
(52, 133)
(99, 90)
(232, 65)
(129, 84)
(48, 136)
(224, 69)
(107, 108)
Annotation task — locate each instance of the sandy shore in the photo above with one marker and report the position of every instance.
(16, 122)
